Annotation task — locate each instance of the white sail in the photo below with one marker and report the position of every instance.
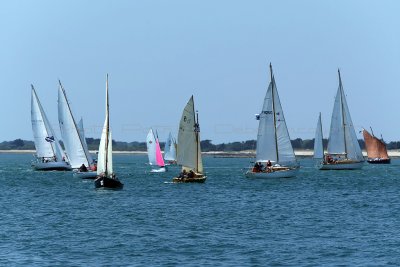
(318, 141)
(189, 152)
(273, 141)
(151, 147)
(46, 142)
(104, 161)
(72, 139)
(170, 150)
(83, 138)
(342, 136)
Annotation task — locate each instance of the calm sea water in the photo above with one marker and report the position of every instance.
(319, 218)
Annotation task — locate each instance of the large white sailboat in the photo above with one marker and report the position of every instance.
(106, 177)
(274, 154)
(154, 152)
(189, 151)
(170, 150)
(49, 154)
(75, 145)
(344, 152)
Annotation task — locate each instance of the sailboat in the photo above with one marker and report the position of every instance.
(189, 151)
(274, 153)
(344, 152)
(49, 154)
(376, 149)
(78, 154)
(106, 178)
(154, 152)
(318, 142)
(170, 150)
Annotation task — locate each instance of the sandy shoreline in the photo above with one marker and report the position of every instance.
(222, 154)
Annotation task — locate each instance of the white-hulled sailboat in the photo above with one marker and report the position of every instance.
(78, 154)
(344, 152)
(189, 151)
(318, 143)
(274, 154)
(49, 154)
(170, 150)
(154, 152)
(105, 176)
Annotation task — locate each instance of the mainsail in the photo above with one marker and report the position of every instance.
(46, 142)
(342, 136)
(170, 149)
(375, 148)
(104, 162)
(273, 141)
(153, 150)
(72, 138)
(83, 138)
(318, 141)
(189, 151)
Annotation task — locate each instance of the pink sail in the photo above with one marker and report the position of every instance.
(159, 158)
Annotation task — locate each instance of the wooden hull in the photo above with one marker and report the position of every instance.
(342, 166)
(51, 166)
(108, 183)
(379, 161)
(284, 173)
(200, 179)
(85, 175)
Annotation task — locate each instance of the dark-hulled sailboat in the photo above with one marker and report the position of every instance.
(106, 178)
(376, 149)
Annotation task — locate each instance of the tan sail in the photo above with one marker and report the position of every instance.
(375, 147)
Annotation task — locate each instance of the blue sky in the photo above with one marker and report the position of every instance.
(159, 53)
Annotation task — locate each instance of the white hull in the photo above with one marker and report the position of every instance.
(85, 175)
(342, 166)
(51, 166)
(276, 174)
(163, 169)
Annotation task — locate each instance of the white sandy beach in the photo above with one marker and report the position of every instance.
(246, 153)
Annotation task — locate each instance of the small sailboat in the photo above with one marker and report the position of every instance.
(318, 142)
(154, 152)
(189, 151)
(49, 154)
(344, 152)
(376, 149)
(170, 150)
(106, 177)
(75, 145)
(274, 154)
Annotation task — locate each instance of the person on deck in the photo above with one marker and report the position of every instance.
(83, 168)
(183, 174)
(191, 174)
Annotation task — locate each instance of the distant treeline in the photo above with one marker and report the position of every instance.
(206, 145)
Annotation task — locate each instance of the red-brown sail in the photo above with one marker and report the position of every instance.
(375, 147)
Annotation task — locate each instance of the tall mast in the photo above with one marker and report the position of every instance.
(73, 119)
(273, 111)
(342, 107)
(322, 136)
(107, 128)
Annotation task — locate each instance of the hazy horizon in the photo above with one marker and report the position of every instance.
(159, 53)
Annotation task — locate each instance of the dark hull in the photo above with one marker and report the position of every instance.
(108, 183)
(379, 161)
(190, 180)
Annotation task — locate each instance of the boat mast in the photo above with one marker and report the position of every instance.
(273, 112)
(322, 136)
(197, 130)
(43, 117)
(342, 107)
(107, 129)
(73, 119)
